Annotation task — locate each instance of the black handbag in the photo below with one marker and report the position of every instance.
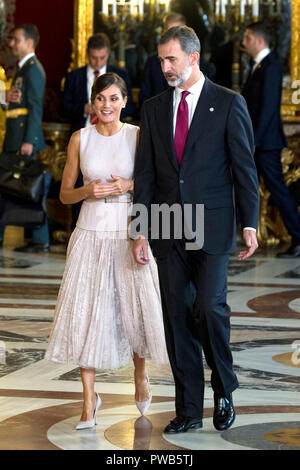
(21, 177)
(14, 211)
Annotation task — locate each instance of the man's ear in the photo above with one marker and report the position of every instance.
(260, 42)
(30, 43)
(194, 58)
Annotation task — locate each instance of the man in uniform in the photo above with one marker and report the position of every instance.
(24, 113)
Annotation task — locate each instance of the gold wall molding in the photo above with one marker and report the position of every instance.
(83, 29)
(295, 41)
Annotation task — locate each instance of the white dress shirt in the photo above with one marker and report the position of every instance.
(260, 56)
(192, 101)
(24, 60)
(90, 82)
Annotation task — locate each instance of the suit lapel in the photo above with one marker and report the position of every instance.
(164, 119)
(202, 121)
(257, 69)
(204, 115)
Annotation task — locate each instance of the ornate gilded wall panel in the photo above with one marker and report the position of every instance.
(295, 42)
(83, 29)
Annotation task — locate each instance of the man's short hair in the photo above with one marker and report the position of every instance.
(174, 17)
(98, 41)
(262, 30)
(188, 39)
(30, 32)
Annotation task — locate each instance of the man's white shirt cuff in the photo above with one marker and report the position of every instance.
(2, 97)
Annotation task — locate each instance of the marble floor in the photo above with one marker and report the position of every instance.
(40, 402)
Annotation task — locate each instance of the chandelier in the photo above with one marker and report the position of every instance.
(246, 8)
(134, 8)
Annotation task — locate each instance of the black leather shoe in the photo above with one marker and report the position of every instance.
(34, 248)
(182, 424)
(292, 252)
(224, 414)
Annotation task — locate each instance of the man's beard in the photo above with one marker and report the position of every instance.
(181, 78)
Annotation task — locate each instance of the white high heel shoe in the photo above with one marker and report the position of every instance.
(93, 422)
(143, 406)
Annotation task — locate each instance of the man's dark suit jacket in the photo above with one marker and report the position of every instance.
(31, 80)
(75, 96)
(262, 93)
(217, 160)
(154, 81)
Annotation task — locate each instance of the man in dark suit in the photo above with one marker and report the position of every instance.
(24, 113)
(262, 93)
(196, 148)
(154, 81)
(76, 98)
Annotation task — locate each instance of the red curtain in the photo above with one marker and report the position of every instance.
(54, 20)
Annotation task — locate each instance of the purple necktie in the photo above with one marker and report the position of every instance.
(182, 127)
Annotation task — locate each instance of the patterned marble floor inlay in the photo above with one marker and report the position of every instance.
(40, 401)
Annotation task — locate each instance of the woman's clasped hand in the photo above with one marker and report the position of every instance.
(117, 186)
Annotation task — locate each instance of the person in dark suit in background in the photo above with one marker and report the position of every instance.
(262, 92)
(154, 81)
(76, 97)
(24, 113)
(196, 147)
(221, 57)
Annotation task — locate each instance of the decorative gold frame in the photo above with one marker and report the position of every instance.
(83, 29)
(295, 40)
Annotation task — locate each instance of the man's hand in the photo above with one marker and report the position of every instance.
(140, 251)
(251, 243)
(13, 95)
(26, 148)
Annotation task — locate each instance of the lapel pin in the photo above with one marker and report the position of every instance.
(211, 110)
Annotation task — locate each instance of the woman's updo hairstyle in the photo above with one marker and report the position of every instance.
(105, 81)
